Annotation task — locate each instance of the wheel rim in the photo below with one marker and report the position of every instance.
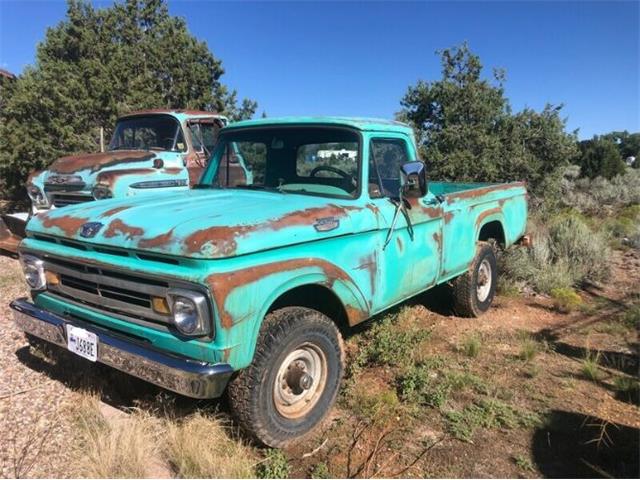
(484, 281)
(300, 381)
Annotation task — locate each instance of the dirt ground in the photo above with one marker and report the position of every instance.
(586, 426)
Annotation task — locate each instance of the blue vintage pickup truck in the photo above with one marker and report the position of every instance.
(245, 286)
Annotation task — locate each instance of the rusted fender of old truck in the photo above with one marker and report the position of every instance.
(338, 223)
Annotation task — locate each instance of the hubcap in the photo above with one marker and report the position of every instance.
(484, 281)
(300, 381)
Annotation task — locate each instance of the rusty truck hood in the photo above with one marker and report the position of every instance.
(201, 223)
(97, 161)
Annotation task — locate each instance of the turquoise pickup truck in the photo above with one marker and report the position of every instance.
(245, 286)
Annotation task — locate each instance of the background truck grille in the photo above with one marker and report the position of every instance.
(64, 199)
(107, 290)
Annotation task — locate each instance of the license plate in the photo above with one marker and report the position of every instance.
(82, 342)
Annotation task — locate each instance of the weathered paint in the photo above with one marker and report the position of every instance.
(248, 248)
(118, 170)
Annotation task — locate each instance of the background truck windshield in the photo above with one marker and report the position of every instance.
(155, 132)
(310, 160)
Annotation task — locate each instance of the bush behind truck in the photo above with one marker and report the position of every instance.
(245, 289)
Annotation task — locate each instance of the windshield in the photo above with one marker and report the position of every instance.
(155, 132)
(310, 160)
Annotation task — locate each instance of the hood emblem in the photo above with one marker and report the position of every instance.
(326, 224)
(89, 230)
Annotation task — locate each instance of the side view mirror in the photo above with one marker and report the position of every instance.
(413, 180)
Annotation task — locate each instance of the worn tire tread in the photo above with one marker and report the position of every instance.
(275, 328)
(464, 294)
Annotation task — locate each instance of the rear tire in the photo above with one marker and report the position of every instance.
(294, 377)
(473, 291)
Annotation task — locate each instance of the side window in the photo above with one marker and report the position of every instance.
(386, 157)
(202, 134)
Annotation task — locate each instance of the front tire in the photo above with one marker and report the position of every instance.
(473, 292)
(294, 377)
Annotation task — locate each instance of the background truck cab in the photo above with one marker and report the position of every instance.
(151, 151)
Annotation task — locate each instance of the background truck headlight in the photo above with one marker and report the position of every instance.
(37, 196)
(100, 192)
(190, 312)
(33, 269)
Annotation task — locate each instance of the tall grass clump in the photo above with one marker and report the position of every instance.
(565, 252)
(116, 449)
(201, 447)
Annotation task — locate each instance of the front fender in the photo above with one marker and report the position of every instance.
(243, 299)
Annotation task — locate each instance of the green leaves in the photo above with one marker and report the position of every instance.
(467, 132)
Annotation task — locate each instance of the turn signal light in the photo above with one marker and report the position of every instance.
(160, 305)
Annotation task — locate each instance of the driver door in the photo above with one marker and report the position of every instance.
(409, 263)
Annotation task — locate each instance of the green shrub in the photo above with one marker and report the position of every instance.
(631, 317)
(472, 345)
(275, 465)
(321, 470)
(528, 350)
(565, 300)
(564, 253)
(590, 367)
(487, 413)
(387, 343)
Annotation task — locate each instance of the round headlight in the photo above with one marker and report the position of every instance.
(36, 195)
(33, 269)
(100, 192)
(185, 315)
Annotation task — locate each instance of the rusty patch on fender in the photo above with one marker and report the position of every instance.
(68, 224)
(157, 241)
(32, 175)
(223, 284)
(223, 239)
(438, 239)
(96, 161)
(117, 226)
(115, 210)
(485, 214)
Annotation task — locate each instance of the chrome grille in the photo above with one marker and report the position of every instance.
(64, 199)
(107, 290)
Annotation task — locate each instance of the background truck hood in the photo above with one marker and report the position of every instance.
(201, 223)
(96, 161)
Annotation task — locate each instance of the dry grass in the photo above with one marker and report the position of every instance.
(121, 448)
(201, 447)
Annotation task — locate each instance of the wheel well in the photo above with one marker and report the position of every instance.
(492, 230)
(317, 297)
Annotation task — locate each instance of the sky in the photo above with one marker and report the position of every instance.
(358, 58)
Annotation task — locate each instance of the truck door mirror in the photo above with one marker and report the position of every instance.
(413, 180)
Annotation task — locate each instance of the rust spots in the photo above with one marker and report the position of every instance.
(172, 170)
(68, 224)
(96, 161)
(111, 176)
(223, 284)
(448, 216)
(115, 210)
(223, 239)
(8, 240)
(487, 213)
(476, 192)
(437, 238)
(226, 353)
(32, 175)
(355, 315)
(169, 111)
(370, 264)
(117, 226)
(157, 241)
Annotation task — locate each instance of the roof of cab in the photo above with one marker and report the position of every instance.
(179, 114)
(372, 124)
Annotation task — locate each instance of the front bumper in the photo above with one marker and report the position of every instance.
(181, 375)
